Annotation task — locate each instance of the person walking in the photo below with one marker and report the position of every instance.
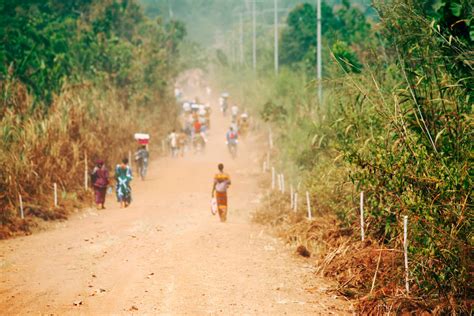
(123, 177)
(100, 181)
(232, 141)
(141, 158)
(173, 141)
(235, 111)
(219, 191)
(182, 142)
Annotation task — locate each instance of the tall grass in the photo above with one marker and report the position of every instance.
(403, 138)
(37, 150)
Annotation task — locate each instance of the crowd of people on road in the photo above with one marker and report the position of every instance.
(196, 122)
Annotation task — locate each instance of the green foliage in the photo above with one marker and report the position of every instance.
(222, 58)
(346, 57)
(50, 43)
(78, 76)
(273, 113)
(300, 35)
(400, 129)
(346, 26)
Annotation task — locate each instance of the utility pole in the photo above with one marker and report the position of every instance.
(241, 39)
(170, 10)
(276, 35)
(254, 41)
(319, 63)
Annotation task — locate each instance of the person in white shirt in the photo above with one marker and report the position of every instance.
(234, 110)
(173, 142)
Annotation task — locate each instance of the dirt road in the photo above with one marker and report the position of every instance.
(166, 253)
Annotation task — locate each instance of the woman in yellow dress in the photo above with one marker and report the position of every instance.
(219, 190)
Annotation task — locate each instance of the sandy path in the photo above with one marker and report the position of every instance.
(165, 254)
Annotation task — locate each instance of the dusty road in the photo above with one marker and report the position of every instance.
(166, 253)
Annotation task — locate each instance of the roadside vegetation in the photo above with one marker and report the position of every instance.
(77, 79)
(395, 123)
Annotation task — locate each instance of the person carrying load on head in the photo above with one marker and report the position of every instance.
(141, 159)
(243, 124)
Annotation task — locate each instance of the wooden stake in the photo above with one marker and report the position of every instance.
(130, 158)
(405, 250)
(22, 214)
(308, 203)
(270, 139)
(362, 232)
(282, 183)
(291, 197)
(273, 178)
(295, 209)
(86, 172)
(279, 182)
(55, 186)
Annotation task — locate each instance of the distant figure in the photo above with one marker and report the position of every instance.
(199, 137)
(123, 177)
(235, 111)
(182, 137)
(100, 181)
(208, 116)
(173, 142)
(219, 190)
(223, 102)
(141, 158)
(232, 141)
(243, 124)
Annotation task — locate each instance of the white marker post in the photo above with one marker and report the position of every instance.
(130, 158)
(55, 186)
(86, 173)
(273, 178)
(291, 196)
(282, 183)
(22, 214)
(405, 250)
(362, 233)
(270, 139)
(295, 207)
(308, 203)
(279, 182)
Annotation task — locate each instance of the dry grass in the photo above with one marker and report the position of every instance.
(367, 272)
(38, 150)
